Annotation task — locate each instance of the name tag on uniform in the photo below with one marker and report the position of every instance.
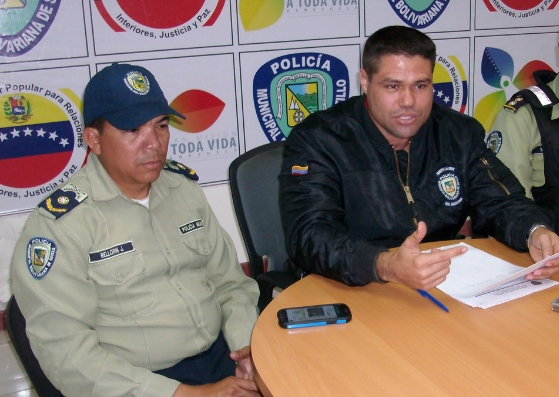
(111, 252)
(191, 226)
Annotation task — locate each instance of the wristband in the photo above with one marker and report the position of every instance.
(531, 231)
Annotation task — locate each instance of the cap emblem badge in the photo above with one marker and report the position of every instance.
(137, 82)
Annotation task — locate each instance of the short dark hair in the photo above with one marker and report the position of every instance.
(396, 40)
(98, 124)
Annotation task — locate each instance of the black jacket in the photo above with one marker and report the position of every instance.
(349, 205)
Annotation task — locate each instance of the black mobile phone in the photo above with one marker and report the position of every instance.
(313, 316)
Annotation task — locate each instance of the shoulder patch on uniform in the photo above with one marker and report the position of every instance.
(63, 200)
(515, 103)
(41, 253)
(494, 141)
(178, 168)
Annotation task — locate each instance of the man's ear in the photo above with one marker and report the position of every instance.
(91, 137)
(364, 80)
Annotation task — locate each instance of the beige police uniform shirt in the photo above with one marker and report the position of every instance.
(112, 290)
(519, 135)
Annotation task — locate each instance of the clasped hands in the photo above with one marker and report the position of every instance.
(240, 385)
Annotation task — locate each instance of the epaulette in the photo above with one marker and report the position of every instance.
(515, 103)
(178, 168)
(537, 96)
(63, 200)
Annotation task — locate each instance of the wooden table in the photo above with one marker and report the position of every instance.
(401, 344)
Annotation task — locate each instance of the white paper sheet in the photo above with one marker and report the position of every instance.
(479, 279)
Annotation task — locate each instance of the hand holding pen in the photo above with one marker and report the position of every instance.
(409, 266)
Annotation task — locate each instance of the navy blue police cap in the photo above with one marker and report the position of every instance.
(127, 96)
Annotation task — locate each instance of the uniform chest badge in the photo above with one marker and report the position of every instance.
(191, 226)
(111, 252)
(449, 185)
(41, 253)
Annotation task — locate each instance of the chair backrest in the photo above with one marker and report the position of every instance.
(15, 323)
(253, 178)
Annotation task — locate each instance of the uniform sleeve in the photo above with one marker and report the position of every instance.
(312, 213)
(498, 203)
(236, 293)
(60, 310)
(517, 135)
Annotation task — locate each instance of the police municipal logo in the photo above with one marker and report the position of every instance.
(24, 23)
(450, 87)
(494, 141)
(40, 256)
(287, 89)
(449, 185)
(137, 83)
(159, 20)
(41, 142)
(191, 226)
(418, 14)
(520, 8)
(111, 252)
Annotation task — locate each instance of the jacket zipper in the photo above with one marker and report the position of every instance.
(406, 187)
(485, 162)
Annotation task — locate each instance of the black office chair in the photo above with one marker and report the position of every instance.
(15, 323)
(253, 178)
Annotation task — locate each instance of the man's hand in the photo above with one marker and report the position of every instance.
(543, 243)
(228, 387)
(244, 363)
(408, 266)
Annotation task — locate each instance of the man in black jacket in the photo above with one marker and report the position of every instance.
(391, 168)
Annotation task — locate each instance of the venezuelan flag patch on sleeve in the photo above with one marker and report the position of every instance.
(299, 170)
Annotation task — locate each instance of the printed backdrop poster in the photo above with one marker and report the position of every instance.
(208, 140)
(451, 76)
(125, 26)
(33, 30)
(281, 88)
(425, 15)
(504, 65)
(492, 14)
(290, 20)
(41, 141)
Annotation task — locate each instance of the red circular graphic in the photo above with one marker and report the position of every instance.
(521, 4)
(158, 14)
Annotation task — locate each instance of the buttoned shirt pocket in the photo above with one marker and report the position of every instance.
(199, 246)
(122, 286)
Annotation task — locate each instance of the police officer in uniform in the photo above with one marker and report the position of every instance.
(525, 136)
(128, 284)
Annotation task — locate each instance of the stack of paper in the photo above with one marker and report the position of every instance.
(479, 279)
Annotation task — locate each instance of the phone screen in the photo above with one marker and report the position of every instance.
(312, 313)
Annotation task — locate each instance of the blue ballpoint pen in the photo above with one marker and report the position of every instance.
(426, 294)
